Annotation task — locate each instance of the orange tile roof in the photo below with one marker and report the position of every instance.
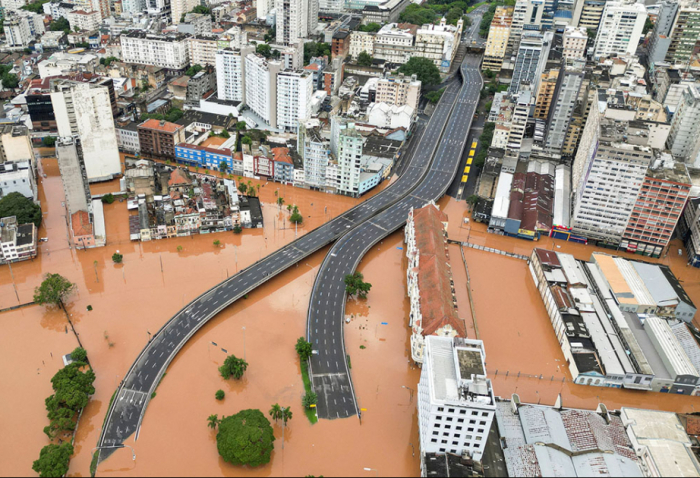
(282, 155)
(80, 222)
(179, 176)
(155, 124)
(214, 141)
(436, 300)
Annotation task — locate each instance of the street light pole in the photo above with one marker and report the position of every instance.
(244, 357)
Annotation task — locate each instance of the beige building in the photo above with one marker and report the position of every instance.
(361, 41)
(395, 42)
(399, 91)
(202, 49)
(498, 39)
(85, 21)
(574, 43)
(545, 93)
(439, 43)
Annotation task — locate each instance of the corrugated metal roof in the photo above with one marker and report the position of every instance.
(501, 202)
(688, 342)
(671, 347)
(657, 284)
(635, 283)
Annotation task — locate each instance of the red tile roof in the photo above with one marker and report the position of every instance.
(179, 176)
(156, 124)
(434, 275)
(692, 426)
(532, 201)
(281, 155)
(80, 222)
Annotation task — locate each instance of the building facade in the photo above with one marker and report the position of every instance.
(294, 91)
(159, 138)
(169, 51)
(620, 29)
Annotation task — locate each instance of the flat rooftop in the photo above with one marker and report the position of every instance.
(648, 349)
(469, 363)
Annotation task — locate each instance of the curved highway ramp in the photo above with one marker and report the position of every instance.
(329, 370)
(134, 392)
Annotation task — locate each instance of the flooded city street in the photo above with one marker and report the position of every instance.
(130, 300)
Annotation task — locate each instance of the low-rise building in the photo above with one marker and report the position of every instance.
(128, 137)
(158, 139)
(429, 280)
(18, 242)
(18, 177)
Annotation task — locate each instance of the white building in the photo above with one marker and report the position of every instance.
(620, 29)
(18, 178)
(85, 110)
(394, 44)
(533, 52)
(263, 7)
(18, 242)
(133, 6)
(574, 42)
(316, 154)
(230, 73)
(384, 115)
(361, 42)
(21, 28)
(456, 405)
(684, 137)
(439, 43)
(62, 63)
(86, 21)
(292, 17)
(166, 51)
(294, 91)
(128, 138)
(398, 90)
(202, 49)
(349, 157)
(261, 87)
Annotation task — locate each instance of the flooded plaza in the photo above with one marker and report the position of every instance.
(155, 280)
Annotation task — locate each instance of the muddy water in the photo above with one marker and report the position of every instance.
(516, 330)
(138, 296)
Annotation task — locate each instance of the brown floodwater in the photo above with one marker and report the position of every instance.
(138, 296)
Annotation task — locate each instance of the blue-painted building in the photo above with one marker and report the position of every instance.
(204, 157)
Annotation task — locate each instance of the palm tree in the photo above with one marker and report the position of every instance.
(276, 412)
(213, 421)
(286, 414)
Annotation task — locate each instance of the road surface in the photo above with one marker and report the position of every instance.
(134, 392)
(329, 370)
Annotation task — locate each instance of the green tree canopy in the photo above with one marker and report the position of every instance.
(213, 421)
(108, 60)
(53, 290)
(14, 204)
(193, 70)
(60, 24)
(10, 80)
(371, 27)
(233, 367)
(418, 14)
(49, 141)
(355, 284)
(53, 460)
(434, 96)
(35, 7)
(245, 438)
(174, 114)
(312, 49)
(303, 349)
(309, 399)
(79, 355)
(364, 59)
(275, 412)
(425, 69)
(72, 388)
(264, 49)
(201, 9)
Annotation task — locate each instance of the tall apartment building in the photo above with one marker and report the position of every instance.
(620, 29)
(587, 14)
(349, 157)
(518, 122)
(21, 28)
(292, 17)
(167, 51)
(608, 173)
(159, 138)
(497, 41)
(533, 52)
(398, 90)
(456, 405)
(684, 34)
(230, 73)
(85, 110)
(560, 113)
(294, 91)
(80, 20)
(361, 42)
(159, 9)
(684, 137)
(195, 24)
(263, 7)
(316, 154)
(261, 87)
(527, 15)
(574, 43)
(658, 208)
(660, 41)
(545, 93)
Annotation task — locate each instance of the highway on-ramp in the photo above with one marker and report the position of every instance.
(329, 369)
(129, 404)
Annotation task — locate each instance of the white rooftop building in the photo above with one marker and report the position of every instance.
(456, 405)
